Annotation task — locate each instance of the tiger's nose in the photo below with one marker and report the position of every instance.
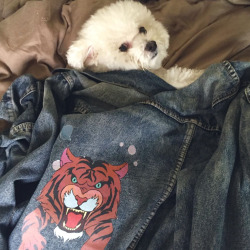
(80, 200)
(151, 46)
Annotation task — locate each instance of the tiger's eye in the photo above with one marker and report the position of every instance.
(142, 30)
(123, 47)
(98, 185)
(74, 180)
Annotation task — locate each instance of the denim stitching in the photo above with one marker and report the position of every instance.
(68, 78)
(171, 182)
(247, 93)
(22, 127)
(230, 94)
(180, 119)
(27, 94)
(81, 108)
(116, 84)
(231, 70)
(10, 106)
(232, 73)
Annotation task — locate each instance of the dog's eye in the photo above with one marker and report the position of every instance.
(142, 30)
(123, 47)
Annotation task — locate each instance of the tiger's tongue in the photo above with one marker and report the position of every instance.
(73, 219)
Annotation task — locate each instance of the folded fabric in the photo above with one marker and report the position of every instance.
(35, 35)
(240, 2)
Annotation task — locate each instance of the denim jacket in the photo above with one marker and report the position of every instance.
(122, 160)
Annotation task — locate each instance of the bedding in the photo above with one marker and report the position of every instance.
(122, 160)
(34, 35)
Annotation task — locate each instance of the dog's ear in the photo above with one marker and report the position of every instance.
(80, 54)
(90, 56)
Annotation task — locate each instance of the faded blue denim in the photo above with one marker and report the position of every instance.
(188, 154)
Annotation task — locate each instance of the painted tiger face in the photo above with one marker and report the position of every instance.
(81, 193)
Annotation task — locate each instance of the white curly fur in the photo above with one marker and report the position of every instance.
(99, 40)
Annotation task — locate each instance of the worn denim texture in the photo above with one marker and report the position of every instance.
(188, 154)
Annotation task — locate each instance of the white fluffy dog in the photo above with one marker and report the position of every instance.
(125, 36)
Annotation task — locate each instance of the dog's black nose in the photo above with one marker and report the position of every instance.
(151, 46)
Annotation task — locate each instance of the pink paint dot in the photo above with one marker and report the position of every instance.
(135, 163)
(131, 150)
(56, 165)
(121, 144)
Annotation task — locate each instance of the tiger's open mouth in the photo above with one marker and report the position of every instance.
(73, 220)
(77, 207)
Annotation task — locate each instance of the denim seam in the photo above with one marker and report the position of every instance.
(117, 84)
(10, 107)
(230, 94)
(230, 69)
(171, 182)
(81, 108)
(22, 127)
(30, 92)
(233, 74)
(247, 93)
(68, 78)
(180, 119)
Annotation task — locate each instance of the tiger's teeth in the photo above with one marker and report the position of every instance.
(71, 229)
(84, 213)
(77, 210)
